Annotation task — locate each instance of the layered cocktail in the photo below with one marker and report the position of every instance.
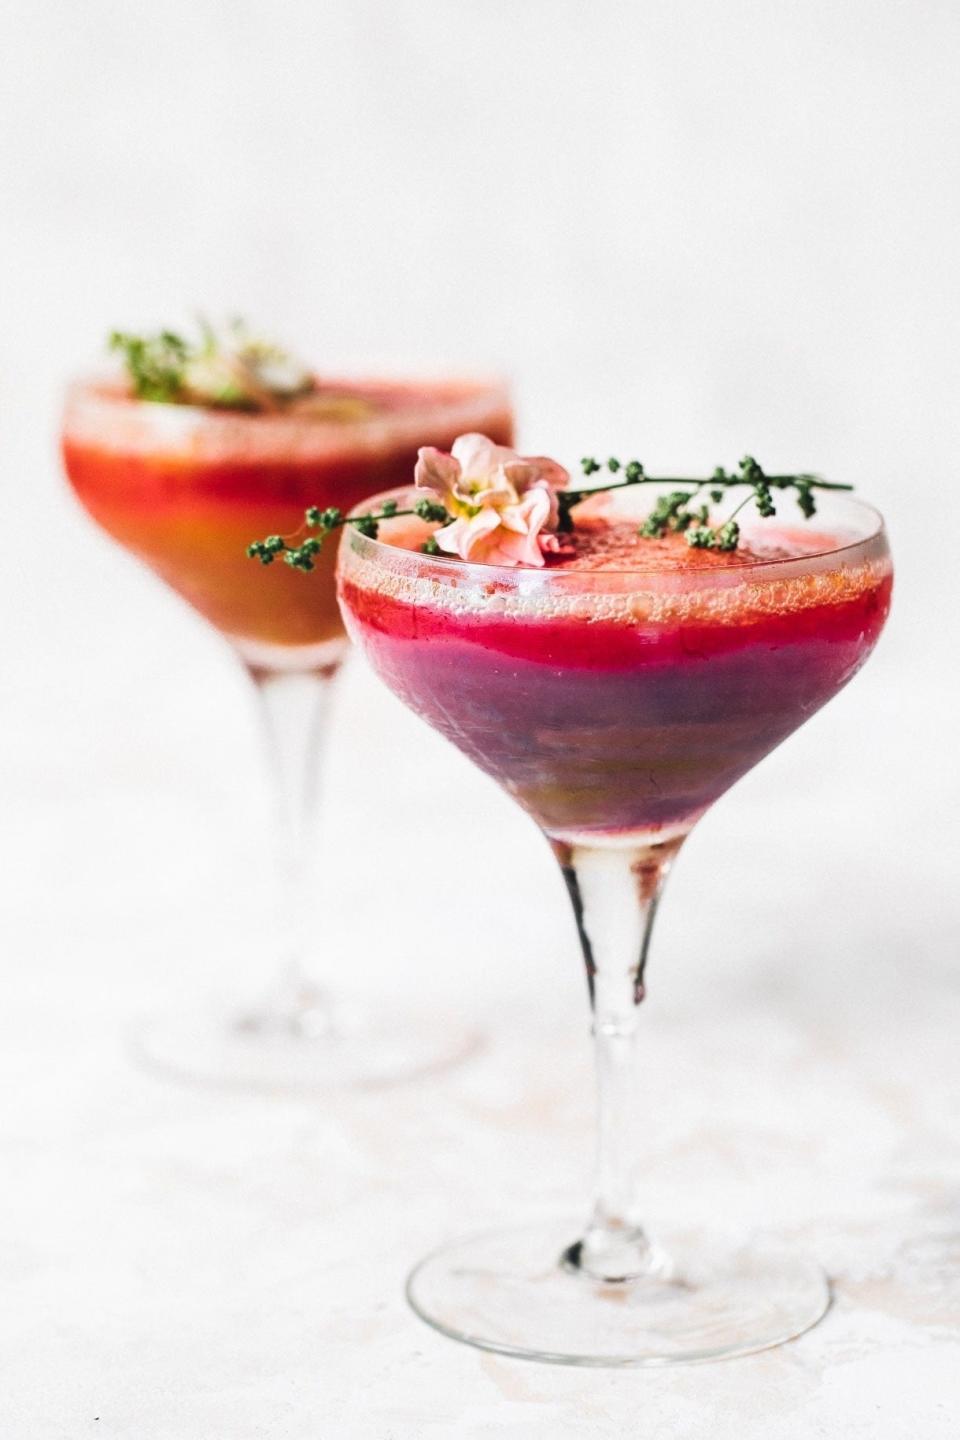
(629, 662)
(185, 487)
(183, 463)
(619, 692)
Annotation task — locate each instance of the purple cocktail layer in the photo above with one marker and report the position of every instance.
(625, 704)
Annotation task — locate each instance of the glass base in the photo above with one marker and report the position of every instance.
(356, 1048)
(510, 1291)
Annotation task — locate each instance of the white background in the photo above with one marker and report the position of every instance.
(684, 230)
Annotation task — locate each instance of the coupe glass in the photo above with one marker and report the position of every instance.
(186, 489)
(616, 705)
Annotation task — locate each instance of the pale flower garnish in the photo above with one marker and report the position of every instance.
(504, 504)
(235, 368)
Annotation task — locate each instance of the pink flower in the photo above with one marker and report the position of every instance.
(501, 502)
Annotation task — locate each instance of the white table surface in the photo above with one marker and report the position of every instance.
(181, 1264)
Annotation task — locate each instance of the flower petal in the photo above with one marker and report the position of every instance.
(436, 470)
(527, 470)
(448, 539)
(464, 535)
(501, 501)
(498, 492)
(479, 457)
(505, 547)
(552, 544)
(477, 531)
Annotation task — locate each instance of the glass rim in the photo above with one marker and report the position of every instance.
(508, 574)
(101, 412)
(107, 388)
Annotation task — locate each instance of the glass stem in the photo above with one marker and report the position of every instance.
(294, 708)
(614, 893)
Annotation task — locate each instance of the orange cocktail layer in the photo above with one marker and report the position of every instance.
(188, 491)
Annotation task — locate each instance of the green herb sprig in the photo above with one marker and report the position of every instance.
(675, 510)
(230, 368)
(302, 556)
(156, 364)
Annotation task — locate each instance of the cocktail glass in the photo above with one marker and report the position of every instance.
(616, 696)
(186, 488)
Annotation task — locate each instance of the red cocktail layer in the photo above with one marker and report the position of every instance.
(622, 704)
(187, 489)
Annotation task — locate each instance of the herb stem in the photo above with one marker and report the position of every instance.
(745, 501)
(672, 513)
(301, 556)
(779, 482)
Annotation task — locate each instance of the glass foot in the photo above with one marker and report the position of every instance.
(511, 1292)
(353, 1048)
